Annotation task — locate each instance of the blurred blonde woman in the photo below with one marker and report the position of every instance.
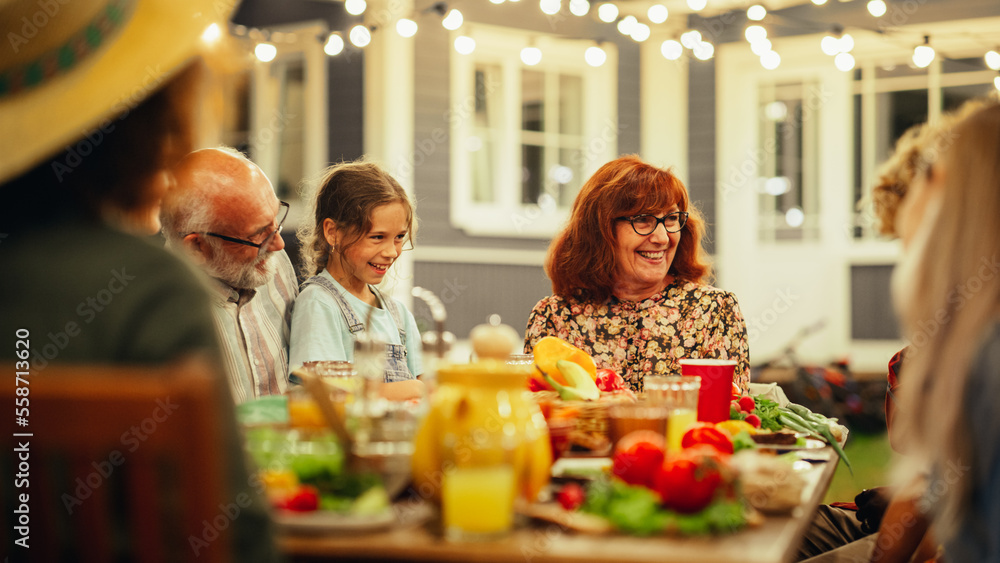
(948, 299)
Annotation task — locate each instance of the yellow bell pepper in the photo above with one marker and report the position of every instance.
(549, 350)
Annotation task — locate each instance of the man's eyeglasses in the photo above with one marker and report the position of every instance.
(646, 224)
(266, 243)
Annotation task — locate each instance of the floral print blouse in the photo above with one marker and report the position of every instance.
(635, 338)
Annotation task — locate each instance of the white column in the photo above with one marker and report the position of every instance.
(663, 107)
(388, 110)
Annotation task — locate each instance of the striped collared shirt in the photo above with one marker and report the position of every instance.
(253, 326)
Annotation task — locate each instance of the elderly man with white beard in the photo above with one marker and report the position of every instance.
(224, 215)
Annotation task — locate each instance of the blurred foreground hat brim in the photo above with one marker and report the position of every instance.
(70, 68)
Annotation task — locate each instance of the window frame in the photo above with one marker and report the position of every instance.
(506, 216)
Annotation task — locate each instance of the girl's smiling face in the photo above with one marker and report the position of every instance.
(644, 260)
(369, 258)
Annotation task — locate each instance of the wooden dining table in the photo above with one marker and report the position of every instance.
(416, 536)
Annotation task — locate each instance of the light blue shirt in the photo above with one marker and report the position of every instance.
(320, 332)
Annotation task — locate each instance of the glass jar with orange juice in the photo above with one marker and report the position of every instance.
(483, 444)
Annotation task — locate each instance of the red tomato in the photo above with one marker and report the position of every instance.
(608, 380)
(747, 404)
(707, 433)
(638, 457)
(689, 481)
(305, 499)
(571, 496)
(538, 385)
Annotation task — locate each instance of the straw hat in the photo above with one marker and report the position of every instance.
(69, 68)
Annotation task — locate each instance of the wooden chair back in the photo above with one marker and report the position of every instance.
(119, 463)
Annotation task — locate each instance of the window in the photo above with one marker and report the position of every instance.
(888, 100)
(526, 138)
(788, 184)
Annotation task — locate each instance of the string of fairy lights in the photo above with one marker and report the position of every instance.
(838, 43)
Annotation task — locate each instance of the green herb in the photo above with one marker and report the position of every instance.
(743, 441)
(637, 510)
(768, 412)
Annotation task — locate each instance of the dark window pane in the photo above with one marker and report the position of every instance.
(532, 173)
(532, 100)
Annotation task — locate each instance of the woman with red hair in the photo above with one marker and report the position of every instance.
(630, 279)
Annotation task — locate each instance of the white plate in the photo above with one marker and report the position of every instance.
(811, 444)
(328, 521)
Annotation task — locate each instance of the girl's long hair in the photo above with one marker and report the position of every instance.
(951, 298)
(582, 262)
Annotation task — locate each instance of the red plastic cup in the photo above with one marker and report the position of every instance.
(716, 387)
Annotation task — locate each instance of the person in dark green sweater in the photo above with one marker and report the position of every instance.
(86, 148)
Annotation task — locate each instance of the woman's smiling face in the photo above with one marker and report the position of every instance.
(644, 260)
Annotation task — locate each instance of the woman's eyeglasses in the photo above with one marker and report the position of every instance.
(646, 224)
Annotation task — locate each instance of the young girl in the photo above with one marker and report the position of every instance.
(362, 221)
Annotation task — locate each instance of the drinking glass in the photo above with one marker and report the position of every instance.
(679, 395)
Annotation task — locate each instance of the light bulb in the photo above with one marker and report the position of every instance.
(776, 111)
(996, 82)
(355, 7)
(626, 24)
(531, 56)
(211, 34)
(640, 32)
(406, 27)
(770, 60)
(497, 1)
(595, 56)
(819, 2)
(756, 12)
(755, 33)
(671, 49)
(844, 61)
(453, 20)
(760, 47)
(697, 5)
(265, 52)
(607, 12)
(360, 36)
(334, 45)
(830, 45)
(690, 39)
(465, 45)
(550, 7)
(704, 51)
(579, 7)
(993, 60)
(794, 217)
(777, 185)
(923, 56)
(876, 8)
(657, 13)
(846, 43)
